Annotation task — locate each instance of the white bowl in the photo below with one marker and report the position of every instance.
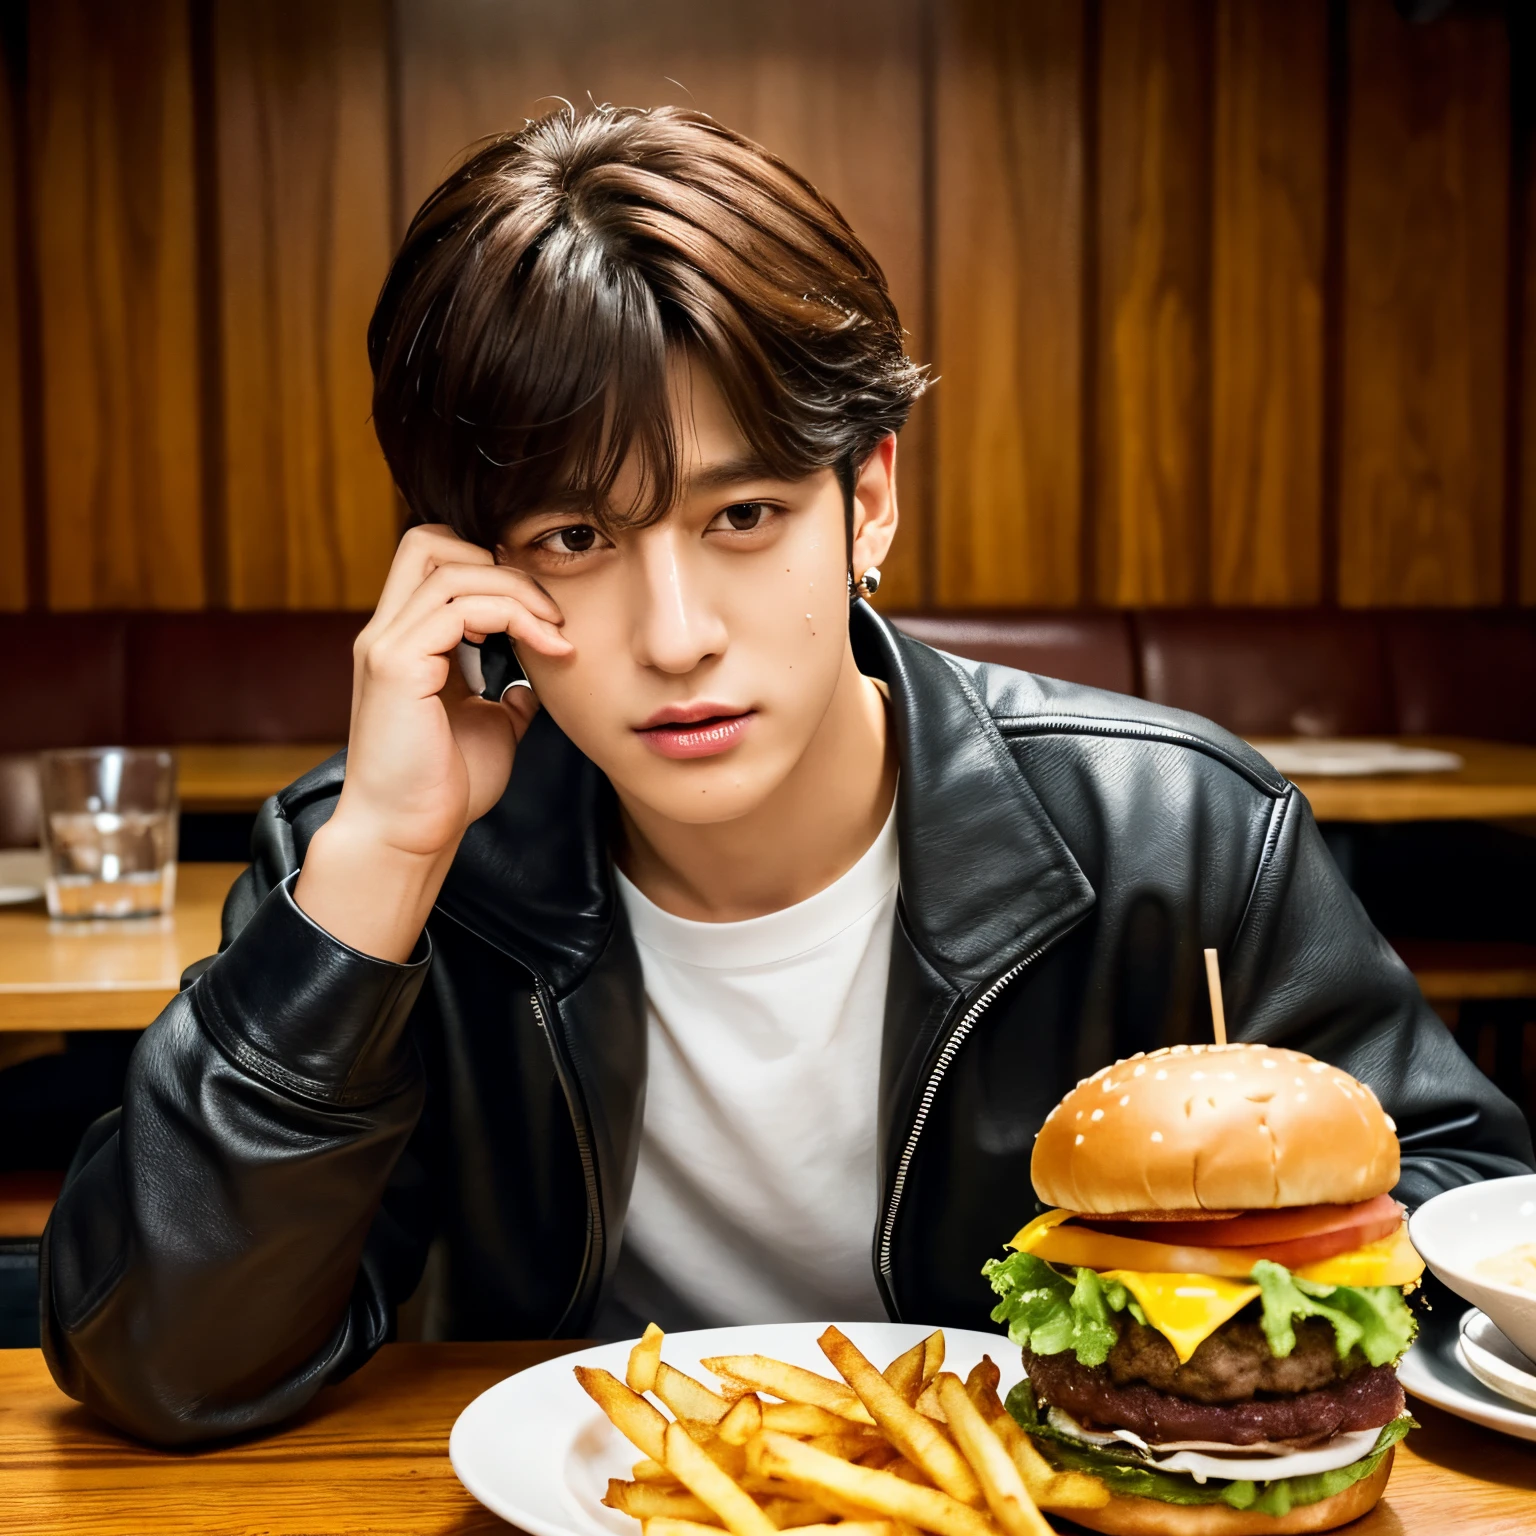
(1456, 1231)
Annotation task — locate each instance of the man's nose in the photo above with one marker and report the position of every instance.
(678, 622)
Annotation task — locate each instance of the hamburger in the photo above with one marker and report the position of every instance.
(1212, 1309)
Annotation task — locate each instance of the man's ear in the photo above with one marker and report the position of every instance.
(874, 507)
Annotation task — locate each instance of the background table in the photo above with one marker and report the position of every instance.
(370, 1458)
(240, 776)
(1497, 782)
(106, 975)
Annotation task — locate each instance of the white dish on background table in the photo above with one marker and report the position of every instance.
(1456, 1231)
(536, 1450)
(1490, 1356)
(1433, 1370)
(23, 873)
(1340, 759)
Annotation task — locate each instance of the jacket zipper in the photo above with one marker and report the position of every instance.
(584, 1151)
(931, 1088)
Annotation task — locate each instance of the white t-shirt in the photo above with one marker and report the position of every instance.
(755, 1196)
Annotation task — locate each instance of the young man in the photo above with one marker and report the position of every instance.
(726, 973)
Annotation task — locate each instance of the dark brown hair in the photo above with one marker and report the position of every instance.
(521, 341)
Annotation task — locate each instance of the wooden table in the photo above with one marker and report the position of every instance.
(241, 776)
(371, 1457)
(1497, 782)
(106, 975)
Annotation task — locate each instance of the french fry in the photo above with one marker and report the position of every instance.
(700, 1476)
(933, 1355)
(794, 1513)
(914, 1435)
(803, 1419)
(634, 1418)
(743, 1421)
(649, 1471)
(851, 1528)
(687, 1398)
(1049, 1488)
(882, 1455)
(905, 1372)
(1001, 1485)
(645, 1501)
(928, 1404)
(930, 1509)
(849, 1447)
(667, 1525)
(640, 1374)
(757, 1373)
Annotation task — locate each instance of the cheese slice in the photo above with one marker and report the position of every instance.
(1026, 1237)
(1388, 1261)
(1185, 1309)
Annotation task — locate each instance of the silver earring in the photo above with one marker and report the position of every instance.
(869, 582)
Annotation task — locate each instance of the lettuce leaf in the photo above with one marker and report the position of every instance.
(1129, 1477)
(1048, 1312)
(1374, 1318)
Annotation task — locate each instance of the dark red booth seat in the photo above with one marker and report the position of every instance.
(1281, 672)
(1092, 648)
(144, 678)
(162, 679)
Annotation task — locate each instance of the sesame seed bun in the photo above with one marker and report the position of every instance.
(1217, 1128)
(1151, 1517)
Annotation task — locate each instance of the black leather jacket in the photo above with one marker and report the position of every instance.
(303, 1121)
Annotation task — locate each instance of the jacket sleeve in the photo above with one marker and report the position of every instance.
(238, 1233)
(1308, 970)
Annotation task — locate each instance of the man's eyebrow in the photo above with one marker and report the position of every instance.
(715, 477)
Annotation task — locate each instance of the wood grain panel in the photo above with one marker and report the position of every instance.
(110, 108)
(1153, 301)
(1269, 132)
(304, 242)
(13, 515)
(835, 89)
(1008, 243)
(1426, 209)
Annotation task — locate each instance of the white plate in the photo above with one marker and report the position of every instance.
(1432, 1370)
(536, 1450)
(1490, 1356)
(22, 873)
(1350, 759)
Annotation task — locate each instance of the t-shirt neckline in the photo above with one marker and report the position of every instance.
(775, 936)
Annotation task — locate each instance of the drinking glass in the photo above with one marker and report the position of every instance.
(109, 828)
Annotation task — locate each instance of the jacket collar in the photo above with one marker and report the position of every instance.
(985, 875)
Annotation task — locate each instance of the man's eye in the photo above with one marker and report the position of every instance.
(746, 516)
(574, 541)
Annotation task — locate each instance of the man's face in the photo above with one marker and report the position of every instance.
(708, 646)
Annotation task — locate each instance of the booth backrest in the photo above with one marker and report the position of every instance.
(1281, 671)
(167, 679)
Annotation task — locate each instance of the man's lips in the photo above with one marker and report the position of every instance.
(695, 730)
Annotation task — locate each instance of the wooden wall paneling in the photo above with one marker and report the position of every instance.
(835, 89)
(1269, 196)
(1522, 584)
(1426, 204)
(110, 109)
(13, 510)
(304, 218)
(1152, 478)
(1008, 244)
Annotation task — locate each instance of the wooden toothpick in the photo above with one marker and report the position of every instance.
(1213, 981)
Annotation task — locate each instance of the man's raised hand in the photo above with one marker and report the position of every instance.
(425, 755)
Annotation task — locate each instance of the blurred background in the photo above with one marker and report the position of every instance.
(1231, 309)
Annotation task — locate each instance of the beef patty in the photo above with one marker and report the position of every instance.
(1232, 1364)
(1365, 1399)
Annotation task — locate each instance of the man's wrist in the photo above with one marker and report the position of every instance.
(366, 892)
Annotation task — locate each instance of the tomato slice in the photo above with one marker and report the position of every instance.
(1324, 1245)
(1251, 1229)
